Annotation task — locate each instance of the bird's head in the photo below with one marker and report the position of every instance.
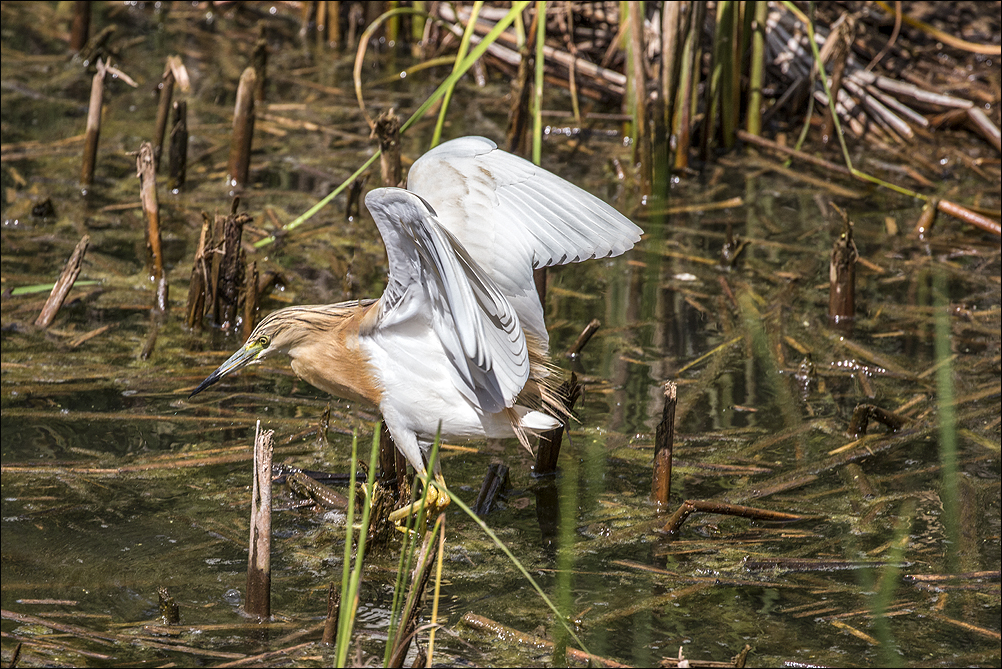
(280, 332)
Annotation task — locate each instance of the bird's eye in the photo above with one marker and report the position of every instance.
(262, 342)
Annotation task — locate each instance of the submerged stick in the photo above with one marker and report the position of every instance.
(93, 126)
(483, 624)
(971, 217)
(690, 506)
(259, 563)
(862, 414)
(243, 131)
(664, 445)
(62, 286)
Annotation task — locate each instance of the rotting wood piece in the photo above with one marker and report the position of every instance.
(862, 414)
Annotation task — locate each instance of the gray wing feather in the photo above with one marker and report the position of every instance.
(512, 217)
(431, 274)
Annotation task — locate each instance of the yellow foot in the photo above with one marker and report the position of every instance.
(438, 499)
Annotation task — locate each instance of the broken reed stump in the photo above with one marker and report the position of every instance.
(178, 148)
(259, 61)
(842, 278)
(63, 284)
(146, 172)
(259, 563)
(520, 116)
(163, 111)
(575, 351)
(222, 284)
(93, 131)
(170, 612)
(200, 281)
(243, 131)
(550, 441)
(387, 131)
(664, 445)
(333, 614)
(229, 273)
(80, 28)
(923, 227)
(354, 199)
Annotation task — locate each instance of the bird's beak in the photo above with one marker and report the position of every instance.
(247, 354)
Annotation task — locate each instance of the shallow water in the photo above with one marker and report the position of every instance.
(104, 499)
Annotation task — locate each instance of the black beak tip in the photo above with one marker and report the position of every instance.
(209, 380)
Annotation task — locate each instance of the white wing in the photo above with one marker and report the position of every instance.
(432, 276)
(513, 217)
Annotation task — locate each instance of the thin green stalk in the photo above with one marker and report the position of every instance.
(407, 554)
(888, 583)
(947, 412)
(565, 555)
(535, 586)
(464, 45)
(418, 21)
(519, 32)
(343, 631)
(731, 67)
(754, 119)
(438, 589)
(537, 92)
(350, 586)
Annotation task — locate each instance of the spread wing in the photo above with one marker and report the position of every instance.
(513, 217)
(431, 276)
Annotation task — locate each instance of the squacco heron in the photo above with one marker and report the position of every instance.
(457, 342)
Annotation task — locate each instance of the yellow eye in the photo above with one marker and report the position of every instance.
(262, 342)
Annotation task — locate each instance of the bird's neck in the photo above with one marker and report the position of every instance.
(335, 362)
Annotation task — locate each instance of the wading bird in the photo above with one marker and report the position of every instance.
(457, 341)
